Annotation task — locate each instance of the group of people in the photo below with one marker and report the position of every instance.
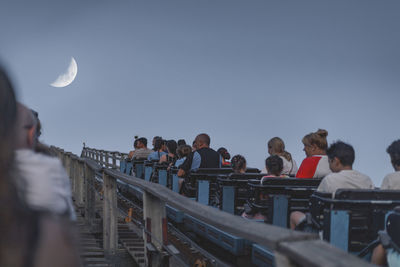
(37, 215)
(333, 164)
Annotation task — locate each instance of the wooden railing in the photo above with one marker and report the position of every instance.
(290, 248)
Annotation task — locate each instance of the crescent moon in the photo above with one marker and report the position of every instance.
(68, 77)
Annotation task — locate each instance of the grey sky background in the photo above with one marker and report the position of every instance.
(242, 71)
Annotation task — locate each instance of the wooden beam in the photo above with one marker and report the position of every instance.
(317, 253)
(110, 215)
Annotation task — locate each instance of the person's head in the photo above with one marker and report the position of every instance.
(202, 140)
(135, 144)
(38, 124)
(238, 164)
(158, 144)
(315, 143)
(181, 142)
(141, 142)
(154, 139)
(276, 146)
(394, 151)
(194, 145)
(274, 165)
(26, 128)
(164, 145)
(341, 156)
(172, 146)
(224, 153)
(183, 151)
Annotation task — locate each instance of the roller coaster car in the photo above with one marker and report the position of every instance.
(149, 168)
(351, 220)
(201, 184)
(138, 167)
(233, 191)
(125, 166)
(276, 198)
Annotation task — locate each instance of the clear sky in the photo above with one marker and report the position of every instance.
(242, 71)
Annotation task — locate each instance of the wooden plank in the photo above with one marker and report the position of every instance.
(110, 215)
(89, 195)
(317, 253)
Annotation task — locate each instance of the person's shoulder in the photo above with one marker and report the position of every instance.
(362, 175)
(393, 175)
(333, 175)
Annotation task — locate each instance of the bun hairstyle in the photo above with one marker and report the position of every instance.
(318, 139)
(238, 163)
(277, 147)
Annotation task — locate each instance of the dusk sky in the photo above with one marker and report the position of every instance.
(241, 71)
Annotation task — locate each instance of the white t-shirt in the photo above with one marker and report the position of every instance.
(289, 167)
(391, 181)
(349, 179)
(44, 183)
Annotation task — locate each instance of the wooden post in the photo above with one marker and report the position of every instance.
(156, 226)
(90, 196)
(107, 159)
(80, 184)
(114, 161)
(110, 220)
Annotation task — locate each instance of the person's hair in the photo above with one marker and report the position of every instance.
(172, 145)
(277, 147)
(157, 137)
(38, 124)
(181, 142)
(238, 163)
(158, 144)
(394, 151)
(344, 152)
(135, 143)
(142, 140)
(203, 138)
(15, 218)
(318, 139)
(274, 165)
(224, 153)
(183, 151)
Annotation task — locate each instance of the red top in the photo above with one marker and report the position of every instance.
(308, 167)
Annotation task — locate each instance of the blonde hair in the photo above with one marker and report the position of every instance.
(318, 139)
(277, 147)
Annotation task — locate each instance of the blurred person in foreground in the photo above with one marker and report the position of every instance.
(28, 237)
(44, 181)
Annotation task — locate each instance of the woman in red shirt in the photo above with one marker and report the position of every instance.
(316, 164)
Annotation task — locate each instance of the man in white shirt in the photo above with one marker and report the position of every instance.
(43, 182)
(341, 158)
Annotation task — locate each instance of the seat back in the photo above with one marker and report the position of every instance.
(352, 219)
(278, 197)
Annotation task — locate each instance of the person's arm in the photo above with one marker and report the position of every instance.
(186, 166)
(57, 245)
(163, 158)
